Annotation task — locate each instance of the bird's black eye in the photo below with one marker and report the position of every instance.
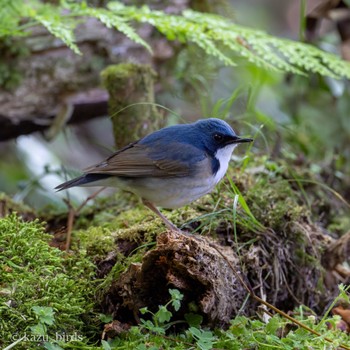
(218, 137)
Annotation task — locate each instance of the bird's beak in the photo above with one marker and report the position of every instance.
(238, 139)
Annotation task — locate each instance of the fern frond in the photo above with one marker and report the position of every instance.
(111, 20)
(223, 39)
(59, 26)
(10, 14)
(216, 35)
(49, 16)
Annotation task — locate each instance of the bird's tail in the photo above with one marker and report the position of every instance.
(83, 180)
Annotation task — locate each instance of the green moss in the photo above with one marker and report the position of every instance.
(275, 203)
(138, 215)
(113, 75)
(339, 224)
(131, 85)
(109, 225)
(129, 77)
(35, 274)
(96, 241)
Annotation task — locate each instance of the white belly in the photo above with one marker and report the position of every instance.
(173, 192)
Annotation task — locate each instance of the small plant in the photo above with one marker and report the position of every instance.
(160, 320)
(204, 339)
(45, 316)
(151, 334)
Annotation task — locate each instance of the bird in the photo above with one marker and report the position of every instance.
(168, 168)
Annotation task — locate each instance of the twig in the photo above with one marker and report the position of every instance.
(254, 296)
(82, 205)
(72, 213)
(70, 222)
(176, 340)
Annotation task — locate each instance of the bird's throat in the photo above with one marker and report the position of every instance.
(223, 156)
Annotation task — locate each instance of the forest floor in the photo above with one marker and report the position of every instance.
(262, 264)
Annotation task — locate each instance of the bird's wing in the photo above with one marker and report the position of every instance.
(141, 160)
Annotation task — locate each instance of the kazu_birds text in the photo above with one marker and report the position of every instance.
(168, 168)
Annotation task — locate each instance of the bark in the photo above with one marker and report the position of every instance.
(51, 80)
(188, 263)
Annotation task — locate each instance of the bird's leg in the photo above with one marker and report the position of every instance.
(168, 224)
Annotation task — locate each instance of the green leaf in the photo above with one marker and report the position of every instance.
(205, 344)
(57, 24)
(163, 314)
(176, 298)
(152, 327)
(204, 339)
(51, 346)
(144, 310)
(244, 205)
(215, 35)
(112, 20)
(44, 314)
(38, 329)
(194, 320)
(273, 325)
(141, 347)
(106, 318)
(105, 345)
(147, 324)
(176, 294)
(343, 292)
(176, 305)
(225, 40)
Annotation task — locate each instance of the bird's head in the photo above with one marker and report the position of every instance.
(216, 134)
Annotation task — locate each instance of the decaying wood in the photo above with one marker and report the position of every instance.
(337, 252)
(188, 263)
(283, 270)
(337, 11)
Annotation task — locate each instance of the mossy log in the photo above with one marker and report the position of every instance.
(189, 263)
(286, 273)
(46, 77)
(41, 78)
(131, 101)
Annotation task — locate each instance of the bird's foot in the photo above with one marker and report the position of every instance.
(167, 223)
